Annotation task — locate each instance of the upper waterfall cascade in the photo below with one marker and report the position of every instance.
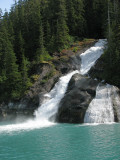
(89, 57)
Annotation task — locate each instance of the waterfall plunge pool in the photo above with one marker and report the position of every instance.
(62, 142)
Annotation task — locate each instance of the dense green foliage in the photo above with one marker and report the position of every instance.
(112, 54)
(96, 17)
(34, 29)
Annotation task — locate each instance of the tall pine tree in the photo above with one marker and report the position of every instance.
(62, 36)
(41, 49)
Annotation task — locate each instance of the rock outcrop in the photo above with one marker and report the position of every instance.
(97, 70)
(80, 92)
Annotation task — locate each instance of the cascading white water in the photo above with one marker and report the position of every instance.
(50, 107)
(100, 109)
(89, 57)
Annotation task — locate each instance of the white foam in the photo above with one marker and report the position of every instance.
(28, 125)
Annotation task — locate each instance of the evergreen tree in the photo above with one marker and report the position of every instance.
(96, 17)
(70, 16)
(21, 15)
(62, 36)
(19, 47)
(10, 76)
(41, 49)
(3, 49)
(13, 76)
(80, 23)
(24, 73)
(11, 32)
(3, 40)
(76, 19)
(47, 35)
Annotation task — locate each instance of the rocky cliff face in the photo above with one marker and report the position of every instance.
(80, 92)
(47, 76)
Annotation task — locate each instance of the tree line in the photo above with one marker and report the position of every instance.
(34, 29)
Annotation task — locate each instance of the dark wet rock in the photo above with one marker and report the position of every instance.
(97, 70)
(80, 92)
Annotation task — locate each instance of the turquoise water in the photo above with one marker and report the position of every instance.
(62, 142)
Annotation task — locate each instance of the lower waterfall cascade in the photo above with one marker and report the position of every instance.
(96, 113)
(50, 107)
(100, 109)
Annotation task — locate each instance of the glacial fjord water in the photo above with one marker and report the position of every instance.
(41, 139)
(62, 142)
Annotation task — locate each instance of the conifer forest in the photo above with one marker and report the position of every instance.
(34, 30)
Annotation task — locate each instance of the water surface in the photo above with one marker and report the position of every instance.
(62, 142)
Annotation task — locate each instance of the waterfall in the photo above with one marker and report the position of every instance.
(49, 107)
(88, 59)
(100, 109)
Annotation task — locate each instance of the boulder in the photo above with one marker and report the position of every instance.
(80, 92)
